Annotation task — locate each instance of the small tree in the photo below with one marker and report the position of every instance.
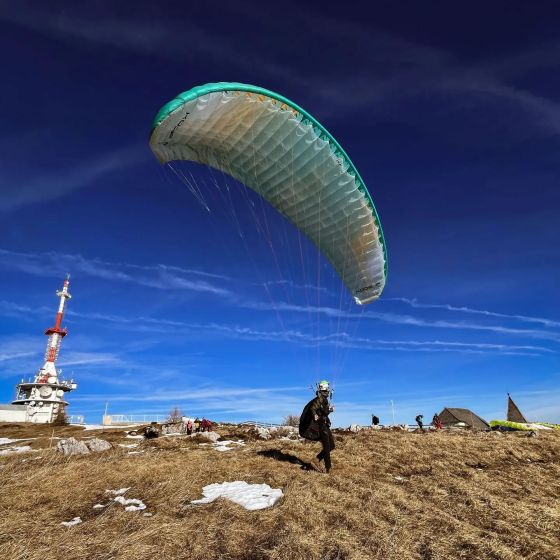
(291, 420)
(175, 415)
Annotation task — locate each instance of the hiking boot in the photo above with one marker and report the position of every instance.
(315, 465)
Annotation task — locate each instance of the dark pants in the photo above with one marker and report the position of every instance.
(327, 441)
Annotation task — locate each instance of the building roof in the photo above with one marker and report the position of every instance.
(513, 412)
(12, 407)
(464, 415)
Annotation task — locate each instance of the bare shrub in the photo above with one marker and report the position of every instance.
(174, 416)
(291, 420)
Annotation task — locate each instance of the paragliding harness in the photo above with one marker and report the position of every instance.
(309, 427)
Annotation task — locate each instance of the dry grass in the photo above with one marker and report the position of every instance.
(461, 495)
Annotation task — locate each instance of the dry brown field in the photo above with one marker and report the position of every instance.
(390, 495)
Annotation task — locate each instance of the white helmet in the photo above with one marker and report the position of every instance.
(323, 386)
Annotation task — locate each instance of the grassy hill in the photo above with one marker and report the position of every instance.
(391, 495)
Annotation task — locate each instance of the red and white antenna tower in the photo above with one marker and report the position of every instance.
(44, 395)
(55, 334)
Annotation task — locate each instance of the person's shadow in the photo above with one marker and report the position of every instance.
(281, 456)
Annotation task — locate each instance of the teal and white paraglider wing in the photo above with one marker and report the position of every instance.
(280, 151)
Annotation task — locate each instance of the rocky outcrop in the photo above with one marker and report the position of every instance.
(72, 446)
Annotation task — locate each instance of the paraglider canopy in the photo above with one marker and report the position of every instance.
(274, 147)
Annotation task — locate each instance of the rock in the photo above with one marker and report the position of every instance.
(532, 433)
(210, 436)
(177, 428)
(97, 445)
(72, 446)
(355, 428)
(263, 433)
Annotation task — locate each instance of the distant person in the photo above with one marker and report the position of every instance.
(316, 425)
(420, 421)
(436, 422)
(196, 425)
(374, 420)
(189, 427)
(204, 425)
(208, 425)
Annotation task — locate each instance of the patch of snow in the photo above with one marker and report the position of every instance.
(399, 478)
(136, 452)
(131, 504)
(223, 445)
(101, 427)
(16, 449)
(128, 445)
(5, 440)
(99, 506)
(249, 496)
(71, 523)
(118, 492)
(134, 437)
(147, 514)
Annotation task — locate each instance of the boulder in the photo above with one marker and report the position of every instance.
(210, 436)
(72, 446)
(176, 428)
(263, 433)
(95, 445)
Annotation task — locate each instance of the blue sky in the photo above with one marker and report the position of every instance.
(453, 120)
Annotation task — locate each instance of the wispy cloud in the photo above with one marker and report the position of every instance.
(408, 320)
(9, 356)
(75, 358)
(339, 339)
(19, 355)
(161, 277)
(21, 192)
(167, 39)
(393, 67)
(417, 305)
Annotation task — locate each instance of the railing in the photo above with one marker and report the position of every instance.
(32, 380)
(259, 424)
(116, 419)
(74, 419)
(120, 419)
